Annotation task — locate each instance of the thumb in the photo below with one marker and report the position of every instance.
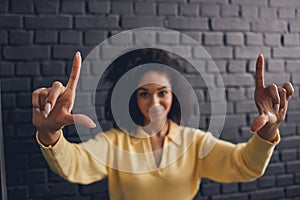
(259, 122)
(81, 120)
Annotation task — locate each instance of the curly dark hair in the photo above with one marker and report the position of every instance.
(129, 61)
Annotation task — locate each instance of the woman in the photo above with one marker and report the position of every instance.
(179, 179)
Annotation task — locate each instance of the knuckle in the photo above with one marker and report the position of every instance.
(57, 84)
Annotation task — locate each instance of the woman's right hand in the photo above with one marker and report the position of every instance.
(52, 107)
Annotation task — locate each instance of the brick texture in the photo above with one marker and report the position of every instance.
(38, 39)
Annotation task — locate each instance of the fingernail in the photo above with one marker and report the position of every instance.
(78, 53)
(289, 97)
(276, 107)
(37, 109)
(93, 125)
(281, 110)
(47, 108)
(45, 114)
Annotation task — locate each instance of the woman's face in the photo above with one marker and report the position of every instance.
(154, 96)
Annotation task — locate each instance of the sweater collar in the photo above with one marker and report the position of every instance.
(173, 134)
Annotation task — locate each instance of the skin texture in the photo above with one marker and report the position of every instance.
(52, 106)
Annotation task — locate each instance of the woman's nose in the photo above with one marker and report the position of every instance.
(154, 100)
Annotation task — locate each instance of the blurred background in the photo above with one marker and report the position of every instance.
(38, 39)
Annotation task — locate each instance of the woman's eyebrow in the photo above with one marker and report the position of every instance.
(142, 88)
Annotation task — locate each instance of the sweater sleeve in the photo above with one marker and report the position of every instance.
(227, 162)
(76, 163)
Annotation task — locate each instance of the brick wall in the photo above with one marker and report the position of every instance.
(38, 39)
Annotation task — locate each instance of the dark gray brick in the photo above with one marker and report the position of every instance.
(3, 6)
(266, 182)
(209, 10)
(268, 194)
(46, 7)
(236, 39)
(98, 7)
(272, 39)
(122, 8)
(254, 39)
(35, 176)
(236, 94)
(251, 3)
(288, 154)
(27, 68)
(11, 21)
(24, 101)
(94, 36)
(142, 21)
(8, 101)
(188, 23)
(213, 38)
(45, 37)
(70, 37)
(230, 188)
(249, 12)
(15, 84)
(52, 190)
(230, 24)
(237, 66)
(246, 106)
(211, 189)
(232, 125)
(189, 9)
(48, 22)
(21, 37)
(291, 40)
(294, 26)
(17, 193)
(7, 69)
(145, 8)
(83, 22)
(249, 186)
(287, 13)
(275, 66)
(251, 52)
(267, 13)
(293, 66)
(53, 68)
(270, 26)
(275, 169)
(26, 52)
(21, 6)
(216, 52)
(287, 3)
(230, 11)
(293, 167)
(286, 52)
(284, 180)
(238, 80)
(73, 6)
(3, 37)
(167, 9)
(68, 51)
(289, 142)
(230, 197)
(293, 191)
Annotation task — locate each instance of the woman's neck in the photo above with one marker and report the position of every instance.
(161, 128)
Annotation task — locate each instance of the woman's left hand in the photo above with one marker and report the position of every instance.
(271, 102)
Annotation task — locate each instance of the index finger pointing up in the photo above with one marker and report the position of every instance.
(259, 74)
(74, 76)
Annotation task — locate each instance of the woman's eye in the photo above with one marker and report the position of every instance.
(163, 93)
(144, 94)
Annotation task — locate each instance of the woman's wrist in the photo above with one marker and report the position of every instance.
(48, 139)
(269, 132)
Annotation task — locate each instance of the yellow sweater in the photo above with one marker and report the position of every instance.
(188, 155)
